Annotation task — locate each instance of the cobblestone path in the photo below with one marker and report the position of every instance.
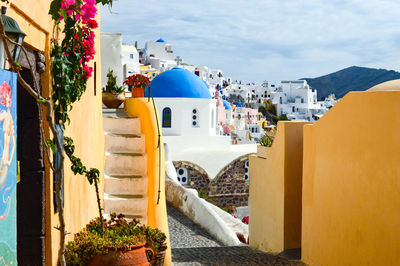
(191, 245)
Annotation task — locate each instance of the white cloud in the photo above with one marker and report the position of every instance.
(257, 40)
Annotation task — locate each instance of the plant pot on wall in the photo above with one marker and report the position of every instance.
(137, 92)
(113, 99)
(138, 256)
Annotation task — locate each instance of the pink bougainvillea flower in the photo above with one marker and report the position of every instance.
(65, 5)
(88, 10)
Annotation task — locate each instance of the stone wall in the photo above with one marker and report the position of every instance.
(196, 177)
(229, 187)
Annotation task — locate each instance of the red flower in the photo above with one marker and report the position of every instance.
(137, 81)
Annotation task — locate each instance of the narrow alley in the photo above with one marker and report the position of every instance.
(191, 245)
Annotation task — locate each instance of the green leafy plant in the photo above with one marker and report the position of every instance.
(204, 195)
(99, 238)
(266, 140)
(155, 239)
(111, 85)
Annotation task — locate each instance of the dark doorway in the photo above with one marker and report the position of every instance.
(31, 188)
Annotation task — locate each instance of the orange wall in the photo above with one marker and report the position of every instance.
(156, 212)
(86, 128)
(275, 192)
(351, 182)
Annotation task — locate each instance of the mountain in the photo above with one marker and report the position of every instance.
(350, 79)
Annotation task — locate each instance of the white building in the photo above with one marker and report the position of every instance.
(111, 50)
(130, 60)
(297, 100)
(159, 55)
(187, 112)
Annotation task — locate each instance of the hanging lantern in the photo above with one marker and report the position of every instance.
(12, 31)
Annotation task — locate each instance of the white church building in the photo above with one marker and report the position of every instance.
(187, 112)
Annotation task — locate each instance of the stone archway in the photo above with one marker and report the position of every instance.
(230, 185)
(197, 176)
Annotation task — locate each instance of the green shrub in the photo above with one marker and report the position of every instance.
(111, 85)
(117, 235)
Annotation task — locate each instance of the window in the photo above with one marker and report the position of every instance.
(195, 118)
(302, 100)
(293, 109)
(182, 175)
(131, 56)
(166, 117)
(280, 100)
(246, 168)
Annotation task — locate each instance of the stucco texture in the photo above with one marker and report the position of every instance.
(86, 129)
(351, 182)
(275, 191)
(156, 212)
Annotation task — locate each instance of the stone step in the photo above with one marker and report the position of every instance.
(125, 164)
(126, 185)
(125, 143)
(121, 125)
(131, 207)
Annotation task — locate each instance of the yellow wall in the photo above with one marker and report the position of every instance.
(275, 192)
(156, 213)
(351, 182)
(86, 128)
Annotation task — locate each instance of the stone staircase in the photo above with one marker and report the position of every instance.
(125, 188)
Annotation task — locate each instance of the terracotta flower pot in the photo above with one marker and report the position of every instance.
(136, 256)
(113, 100)
(137, 92)
(159, 258)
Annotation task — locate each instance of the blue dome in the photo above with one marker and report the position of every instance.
(178, 83)
(160, 40)
(239, 104)
(227, 105)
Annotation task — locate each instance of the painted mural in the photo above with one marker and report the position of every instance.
(8, 168)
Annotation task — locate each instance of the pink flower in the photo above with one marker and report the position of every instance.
(88, 10)
(65, 5)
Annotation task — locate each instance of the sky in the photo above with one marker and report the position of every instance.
(269, 40)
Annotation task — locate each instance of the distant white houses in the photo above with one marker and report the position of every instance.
(297, 100)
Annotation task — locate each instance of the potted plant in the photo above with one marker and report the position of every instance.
(156, 240)
(113, 242)
(113, 95)
(137, 83)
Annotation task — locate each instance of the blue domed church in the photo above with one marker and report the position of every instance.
(186, 110)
